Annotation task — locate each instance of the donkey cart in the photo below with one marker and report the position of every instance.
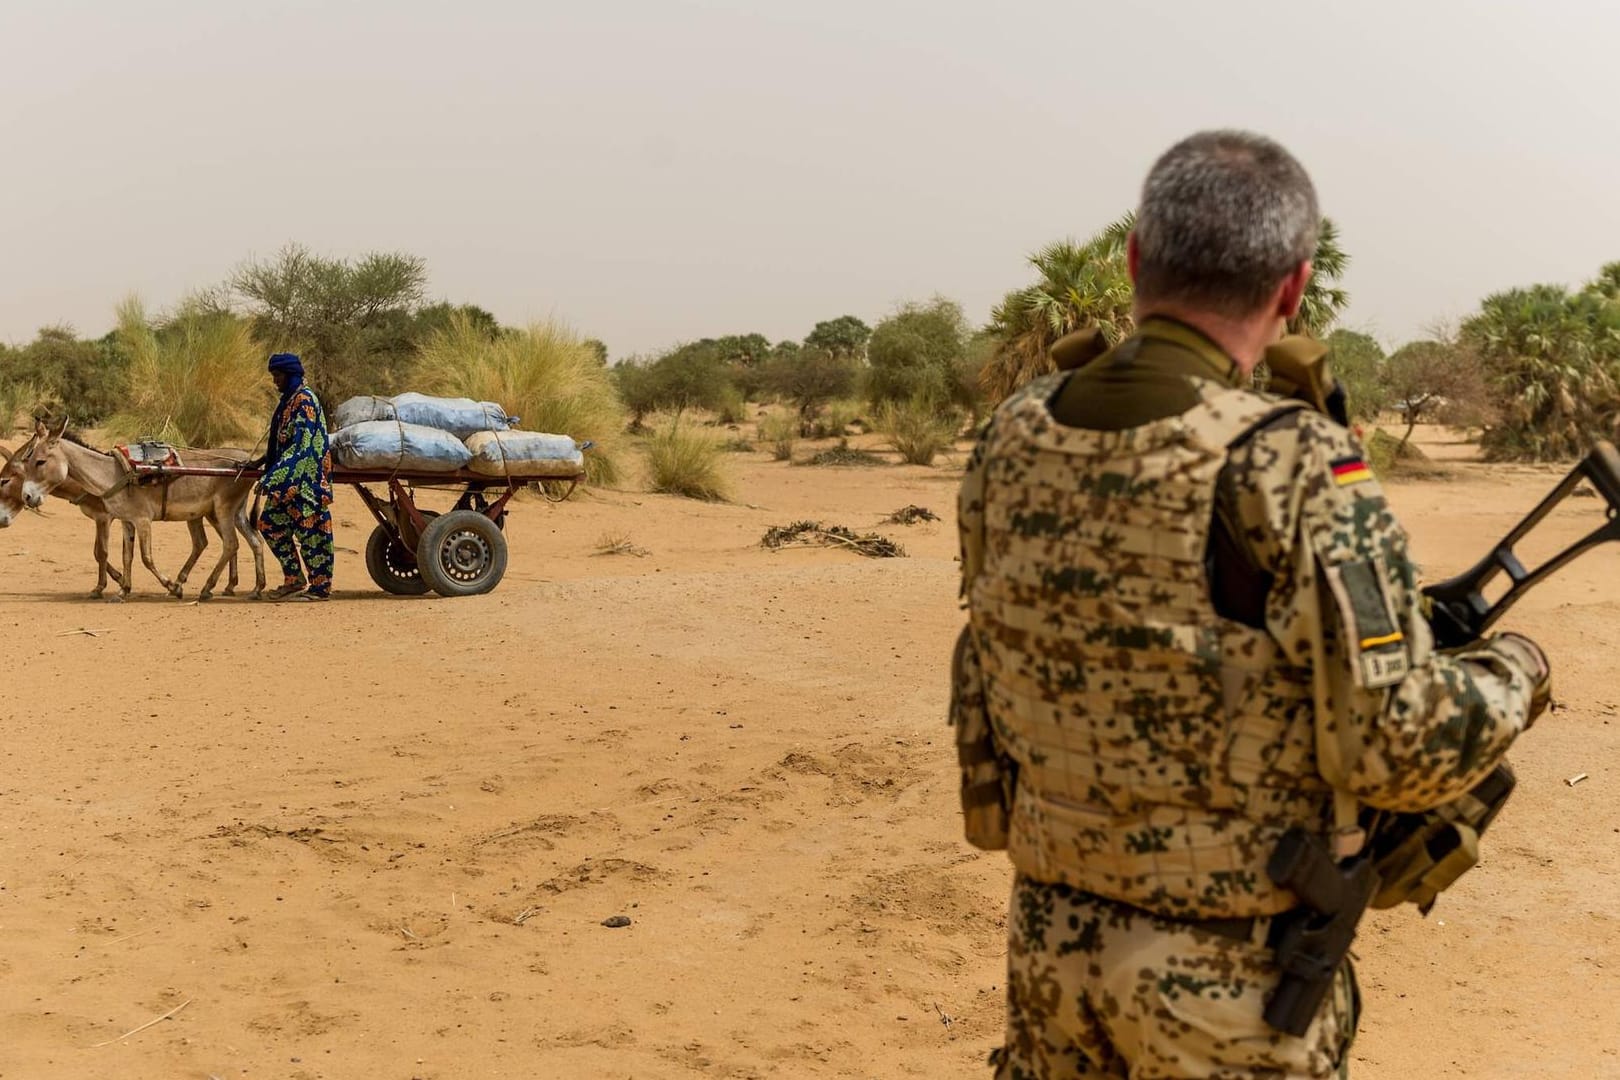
(413, 551)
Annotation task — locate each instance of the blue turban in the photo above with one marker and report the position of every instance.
(287, 362)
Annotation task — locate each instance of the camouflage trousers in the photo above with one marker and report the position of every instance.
(1099, 989)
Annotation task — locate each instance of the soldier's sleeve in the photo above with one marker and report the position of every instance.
(985, 769)
(1399, 725)
(970, 512)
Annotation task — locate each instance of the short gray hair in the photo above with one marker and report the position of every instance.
(1225, 216)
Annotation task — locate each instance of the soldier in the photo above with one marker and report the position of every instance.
(1193, 624)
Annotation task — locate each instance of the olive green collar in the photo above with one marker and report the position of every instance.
(1221, 367)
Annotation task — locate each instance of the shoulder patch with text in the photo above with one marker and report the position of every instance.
(1372, 634)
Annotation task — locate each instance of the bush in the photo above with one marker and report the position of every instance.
(917, 431)
(780, 432)
(810, 378)
(833, 422)
(545, 374)
(1357, 362)
(20, 402)
(685, 460)
(922, 353)
(199, 381)
(84, 380)
(732, 408)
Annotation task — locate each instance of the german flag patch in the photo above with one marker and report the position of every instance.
(1350, 470)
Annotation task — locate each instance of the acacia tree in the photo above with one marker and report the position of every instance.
(809, 379)
(352, 320)
(1428, 381)
(1357, 361)
(917, 356)
(845, 336)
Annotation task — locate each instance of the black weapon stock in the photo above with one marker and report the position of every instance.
(1311, 941)
(1461, 613)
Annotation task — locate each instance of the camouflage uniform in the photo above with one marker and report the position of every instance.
(1142, 750)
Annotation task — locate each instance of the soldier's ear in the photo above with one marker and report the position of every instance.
(1291, 293)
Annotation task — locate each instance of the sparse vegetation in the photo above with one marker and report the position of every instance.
(844, 454)
(199, 380)
(683, 459)
(619, 544)
(911, 515)
(544, 374)
(810, 378)
(917, 431)
(779, 433)
(815, 534)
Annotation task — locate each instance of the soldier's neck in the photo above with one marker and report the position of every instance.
(1244, 340)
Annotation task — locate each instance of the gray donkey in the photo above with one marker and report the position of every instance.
(12, 505)
(56, 460)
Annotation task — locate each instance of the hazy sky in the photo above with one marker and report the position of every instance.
(660, 170)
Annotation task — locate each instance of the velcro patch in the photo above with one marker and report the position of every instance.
(1349, 470)
(1371, 632)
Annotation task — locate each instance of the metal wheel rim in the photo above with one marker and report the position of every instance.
(400, 563)
(466, 556)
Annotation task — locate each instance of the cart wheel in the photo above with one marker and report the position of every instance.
(393, 565)
(462, 553)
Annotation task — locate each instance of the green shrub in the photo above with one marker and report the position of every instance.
(780, 432)
(834, 421)
(810, 378)
(731, 408)
(686, 460)
(199, 381)
(545, 375)
(20, 402)
(83, 380)
(917, 430)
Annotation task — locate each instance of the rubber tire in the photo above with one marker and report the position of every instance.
(377, 564)
(440, 543)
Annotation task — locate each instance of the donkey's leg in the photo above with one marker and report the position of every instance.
(227, 558)
(103, 528)
(250, 532)
(143, 529)
(199, 544)
(232, 579)
(128, 582)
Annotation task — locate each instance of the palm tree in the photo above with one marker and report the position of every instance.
(1324, 298)
(1553, 358)
(1086, 285)
(1080, 286)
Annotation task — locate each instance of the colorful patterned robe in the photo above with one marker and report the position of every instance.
(299, 472)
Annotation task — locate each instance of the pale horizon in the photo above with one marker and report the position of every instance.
(652, 173)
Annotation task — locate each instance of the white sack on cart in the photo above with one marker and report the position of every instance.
(390, 446)
(459, 416)
(526, 454)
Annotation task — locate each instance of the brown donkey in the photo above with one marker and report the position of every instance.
(57, 461)
(12, 505)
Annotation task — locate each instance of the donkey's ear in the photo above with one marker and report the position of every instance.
(40, 430)
(61, 429)
(4, 453)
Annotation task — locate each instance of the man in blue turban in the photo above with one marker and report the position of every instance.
(297, 487)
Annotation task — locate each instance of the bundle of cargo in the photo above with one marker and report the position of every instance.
(390, 446)
(417, 433)
(526, 454)
(459, 416)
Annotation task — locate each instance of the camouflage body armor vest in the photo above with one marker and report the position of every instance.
(1160, 751)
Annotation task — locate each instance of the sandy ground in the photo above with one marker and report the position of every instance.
(378, 838)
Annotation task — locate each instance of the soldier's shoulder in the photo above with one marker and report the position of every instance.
(1296, 439)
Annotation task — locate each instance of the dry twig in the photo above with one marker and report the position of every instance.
(143, 1027)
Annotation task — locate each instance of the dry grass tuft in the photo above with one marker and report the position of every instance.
(546, 375)
(685, 460)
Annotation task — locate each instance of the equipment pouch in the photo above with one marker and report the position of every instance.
(987, 774)
(1419, 856)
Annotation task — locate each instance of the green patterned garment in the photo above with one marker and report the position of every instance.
(300, 472)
